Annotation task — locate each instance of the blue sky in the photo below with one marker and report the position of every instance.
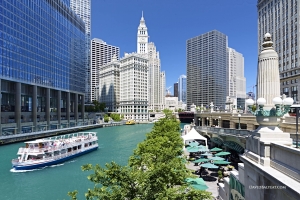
(171, 22)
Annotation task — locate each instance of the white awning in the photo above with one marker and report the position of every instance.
(194, 135)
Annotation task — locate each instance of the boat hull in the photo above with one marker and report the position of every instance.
(52, 162)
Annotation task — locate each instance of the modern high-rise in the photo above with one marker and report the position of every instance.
(101, 54)
(134, 86)
(281, 20)
(206, 69)
(83, 9)
(236, 81)
(42, 59)
(175, 94)
(182, 88)
(109, 85)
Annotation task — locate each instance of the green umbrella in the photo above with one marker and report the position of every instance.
(193, 144)
(197, 183)
(216, 149)
(206, 154)
(209, 165)
(223, 153)
(201, 160)
(203, 148)
(192, 149)
(221, 162)
(216, 158)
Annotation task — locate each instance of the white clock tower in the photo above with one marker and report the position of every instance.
(142, 37)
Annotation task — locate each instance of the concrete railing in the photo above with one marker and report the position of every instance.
(226, 131)
(285, 159)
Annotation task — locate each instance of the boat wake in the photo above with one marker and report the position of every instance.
(28, 170)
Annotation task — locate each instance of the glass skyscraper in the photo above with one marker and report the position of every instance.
(42, 56)
(182, 88)
(83, 9)
(206, 69)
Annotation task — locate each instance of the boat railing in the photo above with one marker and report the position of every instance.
(55, 147)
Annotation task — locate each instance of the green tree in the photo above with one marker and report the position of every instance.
(155, 170)
(106, 118)
(115, 116)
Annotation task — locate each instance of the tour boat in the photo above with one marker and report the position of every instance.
(54, 150)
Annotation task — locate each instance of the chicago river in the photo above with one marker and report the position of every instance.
(115, 144)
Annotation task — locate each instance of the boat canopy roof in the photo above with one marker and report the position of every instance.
(38, 141)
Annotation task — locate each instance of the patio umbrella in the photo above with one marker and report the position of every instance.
(197, 183)
(216, 149)
(201, 160)
(209, 165)
(216, 158)
(221, 162)
(193, 144)
(203, 148)
(223, 153)
(192, 149)
(206, 154)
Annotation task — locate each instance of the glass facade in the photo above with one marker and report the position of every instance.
(182, 88)
(42, 42)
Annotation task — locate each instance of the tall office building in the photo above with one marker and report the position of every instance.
(156, 89)
(182, 88)
(42, 57)
(206, 69)
(109, 85)
(175, 93)
(156, 84)
(281, 20)
(83, 9)
(101, 54)
(236, 81)
(134, 87)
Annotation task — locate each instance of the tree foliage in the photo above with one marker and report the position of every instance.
(116, 116)
(106, 118)
(154, 171)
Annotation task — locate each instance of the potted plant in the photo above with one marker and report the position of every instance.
(230, 167)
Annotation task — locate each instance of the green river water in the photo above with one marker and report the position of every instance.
(115, 144)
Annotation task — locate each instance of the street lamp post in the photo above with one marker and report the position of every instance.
(199, 119)
(206, 121)
(239, 115)
(219, 121)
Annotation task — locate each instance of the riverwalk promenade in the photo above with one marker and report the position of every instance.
(12, 138)
(211, 182)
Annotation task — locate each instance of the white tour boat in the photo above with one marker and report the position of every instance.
(50, 151)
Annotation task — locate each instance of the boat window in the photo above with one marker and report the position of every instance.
(79, 146)
(47, 155)
(69, 149)
(56, 153)
(75, 148)
(63, 151)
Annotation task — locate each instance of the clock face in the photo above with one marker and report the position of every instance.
(142, 39)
